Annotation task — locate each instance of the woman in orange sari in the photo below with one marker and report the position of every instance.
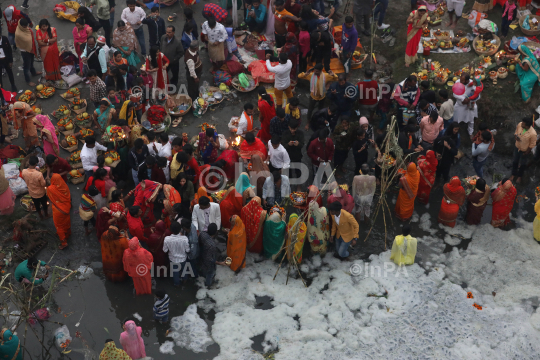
(200, 193)
(230, 205)
(253, 216)
(48, 48)
(113, 245)
(236, 243)
(24, 118)
(416, 21)
(409, 187)
(454, 197)
(172, 197)
(60, 199)
(503, 202)
(427, 167)
(137, 263)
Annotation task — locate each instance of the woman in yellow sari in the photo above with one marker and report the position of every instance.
(409, 187)
(128, 114)
(296, 233)
(236, 244)
(416, 21)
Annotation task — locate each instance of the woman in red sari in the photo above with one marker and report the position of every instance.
(118, 207)
(477, 202)
(156, 65)
(48, 48)
(427, 167)
(228, 159)
(503, 202)
(416, 21)
(267, 112)
(253, 216)
(229, 206)
(172, 197)
(155, 245)
(454, 197)
(137, 263)
(409, 187)
(343, 197)
(145, 194)
(253, 146)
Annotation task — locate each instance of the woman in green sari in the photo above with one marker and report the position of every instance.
(10, 346)
(273, 236)
(528, 71)
(124, 39)
(104, 114)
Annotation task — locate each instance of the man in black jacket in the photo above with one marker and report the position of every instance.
(327, 117)
(156, 26)
(172, 48)
(408, 142)
(321, 45)
(6, 61)
(293, 141)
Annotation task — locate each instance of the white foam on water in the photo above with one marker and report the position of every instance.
(190, 331)
(137, 316)
(425, 224)
(167, 348)
(388, 312)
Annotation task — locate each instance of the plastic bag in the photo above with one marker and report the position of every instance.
(233, 123)
(475, 17)
(72, 79)
(85, 272)
(516, 41)
(11, 170)
(61, 337)
(526, 23)
(243, 80)
(18, 186)
(223, 143)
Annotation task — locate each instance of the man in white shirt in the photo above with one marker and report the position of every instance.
(283, 77)
(245, 124)
(205, 213)
(153, 145)
(165, 146)
(279, 157)
(89, 154)
(275, 188)
(134, 16)
(216, 36)
(178, 247)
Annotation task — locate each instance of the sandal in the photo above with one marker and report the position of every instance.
(176, 122)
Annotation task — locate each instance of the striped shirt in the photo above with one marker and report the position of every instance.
(161, 306)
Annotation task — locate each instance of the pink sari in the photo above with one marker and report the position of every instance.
(46, 126)
(131, 340)
(80, 37)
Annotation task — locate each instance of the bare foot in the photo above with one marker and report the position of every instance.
(448, 23)
(453, 26)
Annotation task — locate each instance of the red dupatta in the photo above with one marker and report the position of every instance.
(159, 76)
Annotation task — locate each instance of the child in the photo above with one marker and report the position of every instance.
(188, 15)
(304, 40)
(161, 307)
(509, 15)
(231, 42)
(187, 36)
(116, 100)
(36, 186)
(360, 150)
(88, 208)
(446, 108)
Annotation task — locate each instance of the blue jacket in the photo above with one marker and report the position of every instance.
(186, 41)
(260, 15)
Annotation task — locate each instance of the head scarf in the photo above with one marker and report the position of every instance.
(454, 191)
(423, 7)
(432, 160)
(24, 39)
(363, 121)
(172, 197)
(136, 256)
(123, 112)
(412, 180)
(291, 44)
(530, 59)
(48, 127)
(10, 345)
(242, 184)
(200, 193)
(125, 39)
(502, 190)
(111, 352)
(58, 193)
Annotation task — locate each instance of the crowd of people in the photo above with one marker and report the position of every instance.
(187, 195)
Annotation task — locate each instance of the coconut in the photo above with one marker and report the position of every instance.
(69, 126)
(74, 173)
(64, 143)
(85, 115)
(66, 112)
(39, 87)
(108, 161)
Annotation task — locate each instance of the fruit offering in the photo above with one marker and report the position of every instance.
(75, 157)
(75, 174)
(27, 96)
(36, 109)
(73, 92)
(71, 140)
(486, 45)
(86, 132)
(43, 91)
(298, 198)
(278, 209)
(533, 23)
(78, 104)
(471, 180)
(83, 117)
(65, 124)
(389, 160)
(113, 155)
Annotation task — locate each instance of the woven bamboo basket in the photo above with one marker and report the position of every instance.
(77, 165)
(38, 94)
(491, 52)
(55, 115)
(179, 99)
(81, 109)
(166, 122)
(361, 58)
(78, 180)
(237, 86)
(70, 148)
(70, 99)
(529, 32)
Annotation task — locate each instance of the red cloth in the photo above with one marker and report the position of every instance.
(324, 151)
(161, 81)
(503, 202)
(144, 198)
(192, 164)
(61, 166)
(100, 185)
(346, 200)
(121, 224)
(257, 148)
(231, 205)
(259, 71)
(253, 217)
(367, 91)
(136, 227)
(102, 222)
(208, 178)
(427, 166)
(9, 152)
(136, 260)
(231, 159)
(158, 175)
(12, 24)
(156, 114)
(155, 245)
(267, 112)
(454, 197)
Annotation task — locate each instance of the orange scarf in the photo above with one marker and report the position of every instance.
(249, 120)
(59, 195)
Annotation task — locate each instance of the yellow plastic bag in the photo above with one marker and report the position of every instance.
(71, 5)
